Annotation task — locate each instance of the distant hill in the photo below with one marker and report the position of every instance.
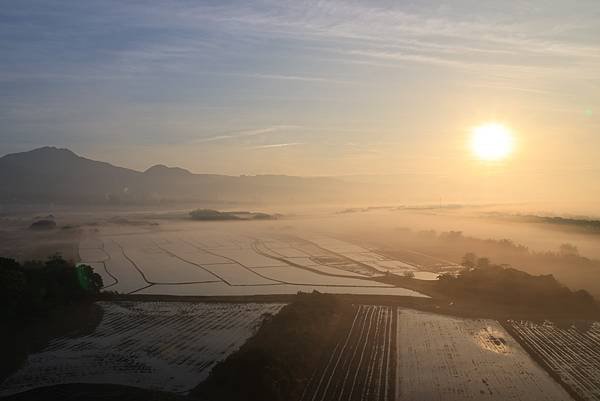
(53, 175)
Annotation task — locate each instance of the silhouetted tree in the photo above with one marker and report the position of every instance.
(12, 286)
(469, 260)
(509, 286)
(88, 280)
(451, 235)
(35, 287)
(568, 250)
(483, 263)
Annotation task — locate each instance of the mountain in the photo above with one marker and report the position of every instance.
(160, 170)
(53, 175)
(58, 175)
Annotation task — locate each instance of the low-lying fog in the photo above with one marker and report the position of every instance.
(383, 226)
(401, 232)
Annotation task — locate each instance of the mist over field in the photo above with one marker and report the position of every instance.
(298, 200)
(522, 238)
(218, 267)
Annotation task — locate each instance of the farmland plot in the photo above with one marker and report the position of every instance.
(444, 358)
(185, 248)
(318, 256)
(336, 245)
(312, 264)
(295, 275)
(305, 247)
(364, 256)
(361, 364)
(196, 262)
(120, 270)
(158, 265)
(236, 275)
(155, 345)
(571, 353)
(222, 289)
(423, 261)
(354, 258)
(420, 275)
(393, 266)
(288, 251)
(91, 252)
(90, 242)
(93, 255)
(108, 280)
(323, 269)
(250, 258)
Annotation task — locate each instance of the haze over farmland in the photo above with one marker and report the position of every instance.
(333, 200)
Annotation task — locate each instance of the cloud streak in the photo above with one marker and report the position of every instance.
(191, 73)
(184, 35)
(277, 145)
(246, 133)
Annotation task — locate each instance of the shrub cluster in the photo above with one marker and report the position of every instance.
(484, 280)
(33, 288)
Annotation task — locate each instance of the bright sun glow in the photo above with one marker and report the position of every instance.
(491, 141)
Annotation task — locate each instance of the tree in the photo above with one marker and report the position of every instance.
(210, 214)
(88, 280)
(409, 274)
(12, 287)
(469, 260)
(34, 287)
(509, 286)
(483, 263)
(451, 235)
(427, 234)
(567, 249)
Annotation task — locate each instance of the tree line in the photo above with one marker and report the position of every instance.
(483, 280)
(33, 288)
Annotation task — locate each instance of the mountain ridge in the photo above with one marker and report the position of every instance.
(51, 174)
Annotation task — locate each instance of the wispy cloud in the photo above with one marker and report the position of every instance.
(446, 36)
(277, 145)
(424, 33)
(297, 78)
(169, 70)
(245, 133)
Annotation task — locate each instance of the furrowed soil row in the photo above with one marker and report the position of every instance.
(359, 368)
(155, 345)
(571, 354)
(443, 358)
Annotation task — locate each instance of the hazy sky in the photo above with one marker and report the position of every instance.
(305, 87)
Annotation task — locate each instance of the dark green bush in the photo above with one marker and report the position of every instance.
(34, 287)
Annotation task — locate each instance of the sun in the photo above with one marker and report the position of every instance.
(491, 141)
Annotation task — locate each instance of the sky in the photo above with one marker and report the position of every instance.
(307, 87)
